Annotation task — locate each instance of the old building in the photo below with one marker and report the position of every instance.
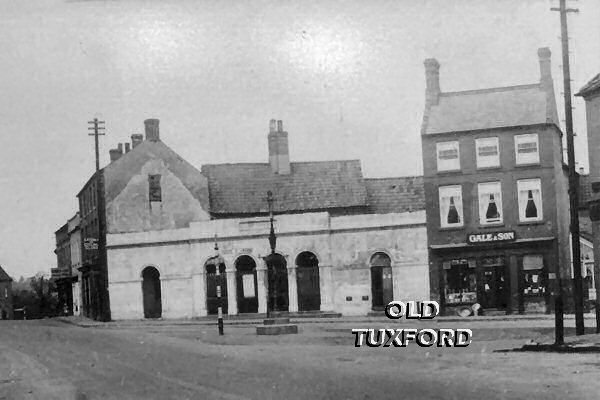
(146, 187)
(6, 295)
(344, 243)
(75, 255)
(496, 196)
(62, 274)
(591, 94)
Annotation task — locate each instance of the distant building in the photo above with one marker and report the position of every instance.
(75, 255)
(62, 274)
(591, 186)
(344, 243)
(6, 296)
(496, 196)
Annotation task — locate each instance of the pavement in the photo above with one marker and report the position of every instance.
(50, 359)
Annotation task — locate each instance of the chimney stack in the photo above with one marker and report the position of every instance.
(279, 156)
(127, 148)
(432, 82)
(545, 67)
(136, 139)
(152, 130)
(115, 154)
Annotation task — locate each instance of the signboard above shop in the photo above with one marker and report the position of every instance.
(483, 238)
(90, 244)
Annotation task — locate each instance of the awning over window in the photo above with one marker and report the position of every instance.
(533, 262)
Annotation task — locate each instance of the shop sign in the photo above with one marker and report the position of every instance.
(90, 244)
(477, 238)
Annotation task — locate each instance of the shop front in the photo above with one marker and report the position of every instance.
(495, 276)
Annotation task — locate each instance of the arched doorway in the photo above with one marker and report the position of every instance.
(151, 293)
(278, 299)
(381, 280)
(246, 282)
(307, 278)
(212, 280)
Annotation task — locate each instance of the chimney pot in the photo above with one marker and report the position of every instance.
(114, 154)
(136, 139)
(120, 148)
(272, 125)
(279, 126)
(580, 170)
(152, 133)
(127, 148)
(545, 66)
(279, 157)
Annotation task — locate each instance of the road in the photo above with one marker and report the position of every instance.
(48, 359)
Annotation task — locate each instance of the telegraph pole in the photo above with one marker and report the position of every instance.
(98, 128)
(101, 282)
(573, 181)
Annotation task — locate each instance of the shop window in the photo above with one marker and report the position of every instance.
(530, 199)
(451, 207)
(155, 193)
(448, 157)
(527, 149)
(490, 203)
(534, 283)
(460, 282)
(487, 152)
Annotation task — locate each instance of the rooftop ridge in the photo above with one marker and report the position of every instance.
(491, 90)
(292, 162)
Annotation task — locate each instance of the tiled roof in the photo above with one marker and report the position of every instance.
(242, 188)
(590, 87)
(4, 276)
(395, 195)
(490, 108)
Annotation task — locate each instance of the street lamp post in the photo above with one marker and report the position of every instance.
(270, 258)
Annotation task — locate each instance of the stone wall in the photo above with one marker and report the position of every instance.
(343, 246)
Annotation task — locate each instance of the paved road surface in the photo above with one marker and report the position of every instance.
(53, 360)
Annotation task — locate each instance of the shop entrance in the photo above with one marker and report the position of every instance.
(151, 293)
(307, 276)
(493, 292)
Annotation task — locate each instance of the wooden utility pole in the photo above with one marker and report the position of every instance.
(98, 128)
(573, 180)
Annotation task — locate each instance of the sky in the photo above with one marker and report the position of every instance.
(346, 78)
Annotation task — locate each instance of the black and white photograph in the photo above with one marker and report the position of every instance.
(299, 199)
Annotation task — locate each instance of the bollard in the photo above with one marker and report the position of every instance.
(558, 321)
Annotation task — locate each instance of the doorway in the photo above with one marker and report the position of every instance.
(493, 284)
(307, 278)
(246, 285)
(212, 281)
(278, 299)
(381, 281)
(151, 293)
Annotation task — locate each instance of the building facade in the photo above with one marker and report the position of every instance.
(496, 196)
(75, 250)
(344, 243)
(62, 274)
(591, 94)
(6, 296)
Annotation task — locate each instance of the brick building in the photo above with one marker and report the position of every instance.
(590, 188)
(62, 274)
(6, 295)
(344, 243)
(496, 196)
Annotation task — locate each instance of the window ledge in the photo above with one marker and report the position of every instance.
(541, 222)
(525, 165)
(449, 172)
(451, 228)
(494, 225)
(489, 168)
